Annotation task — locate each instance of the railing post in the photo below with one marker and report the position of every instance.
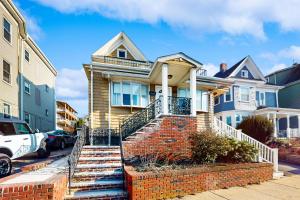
(69, 186)
(275, 159)
(239, 135)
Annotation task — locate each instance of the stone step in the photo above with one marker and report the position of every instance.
(86, 176)
(100, 153)
(101, 148)
(98, 160)
(100, 195)
(98, 167)
(97, 185)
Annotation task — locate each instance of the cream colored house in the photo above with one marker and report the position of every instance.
(27, 76)
(123, 81)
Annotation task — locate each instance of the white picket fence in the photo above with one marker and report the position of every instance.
(265, 153)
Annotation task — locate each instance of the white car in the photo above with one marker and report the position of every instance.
(16, 140)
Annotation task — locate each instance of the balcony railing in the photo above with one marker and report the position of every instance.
(125, 62)
(202, 72)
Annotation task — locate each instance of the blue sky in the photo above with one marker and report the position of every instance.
(69, 31)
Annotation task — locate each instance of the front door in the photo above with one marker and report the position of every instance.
(158, 91)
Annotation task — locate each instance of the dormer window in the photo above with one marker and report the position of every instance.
(122, 53)
(244, 73)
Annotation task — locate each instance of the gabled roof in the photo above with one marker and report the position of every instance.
(292, 74)
(179, 55)
(115, 42)
(231, 72)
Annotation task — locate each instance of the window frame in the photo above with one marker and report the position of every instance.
(187, 95)
(3, 60)
(241, 88)
(229, 117)
(122, 50)
(9, 110)
(246, 73)
(4, 29)
(27, 92)
(224, 95)
(131, 94)
(47, 88)
(26, 51)
(47, 112)
(259, 99)
(27, 114)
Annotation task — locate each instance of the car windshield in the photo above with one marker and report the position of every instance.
(22, 128)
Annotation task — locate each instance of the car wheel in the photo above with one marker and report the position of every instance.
(5, 165)
(62, 145)
(42, 153)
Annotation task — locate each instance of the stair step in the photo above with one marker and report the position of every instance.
(99, 158)
(100, 147)
(86, 176)
(107, 165)
(96, 194)
(108, 152)
(97, 184)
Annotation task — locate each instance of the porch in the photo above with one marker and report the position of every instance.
(286, 121)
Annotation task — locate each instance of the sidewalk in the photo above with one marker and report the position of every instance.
(286, 188)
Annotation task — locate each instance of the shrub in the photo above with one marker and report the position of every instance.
(258, 127)
(239, 152)
(206, 147)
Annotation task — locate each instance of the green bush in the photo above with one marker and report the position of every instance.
(239, 152)
(258, 127)
(207, 147)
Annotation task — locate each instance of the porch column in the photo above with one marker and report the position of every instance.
(288, 130)
(164, 83)
(193, 91)
(275, 125)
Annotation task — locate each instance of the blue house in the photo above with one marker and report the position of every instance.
(250, 94)
(289, 98)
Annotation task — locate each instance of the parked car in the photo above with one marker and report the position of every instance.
(59, 139)
(17, 140)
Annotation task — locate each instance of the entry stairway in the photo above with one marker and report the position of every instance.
(98, 175)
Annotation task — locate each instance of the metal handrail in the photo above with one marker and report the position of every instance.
(126, 62)
(266, 153)
(75, 154)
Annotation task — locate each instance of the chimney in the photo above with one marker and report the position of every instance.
(223, 67)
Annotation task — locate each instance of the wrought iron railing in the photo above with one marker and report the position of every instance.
(105, 136)
(141, 118)
(74, 156)
(179, 105)
(122, 61)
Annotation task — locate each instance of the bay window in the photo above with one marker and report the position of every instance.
(129, 94)
(201, 98)
(245, 94)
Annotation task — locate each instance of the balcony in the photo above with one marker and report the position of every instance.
(123, 62)
(202, 72)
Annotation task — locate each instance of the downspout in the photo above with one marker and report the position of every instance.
(277, 99)
(92, 106)
(21, 84)
(109, 110)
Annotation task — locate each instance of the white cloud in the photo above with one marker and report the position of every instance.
(292, 52)
(235, 17)
(211, 69)
(277, 67)
(33, 27)
(72, 86)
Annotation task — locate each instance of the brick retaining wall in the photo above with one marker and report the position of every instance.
(54, 188)
(172, 137)
(174, 183)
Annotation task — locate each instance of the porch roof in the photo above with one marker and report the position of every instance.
(280, 112)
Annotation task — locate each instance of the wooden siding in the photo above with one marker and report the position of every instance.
(114, 53)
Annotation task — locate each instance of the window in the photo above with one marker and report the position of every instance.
(27, 87)
(122, 53)
(262, 99)
(22, 128)
(228, 120)
(227, 96)
(27, 117)
(27, 55)
(6, 111)
(37, 96)
(244, 73)
(238, 119)
(244, 94)
(7, 129)
(47, 88)
(217, 100)
(201, 98)
(129, 94)
(7, 30)
(6, 71)
(46, 112)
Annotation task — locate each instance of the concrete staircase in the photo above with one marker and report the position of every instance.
(98, 174)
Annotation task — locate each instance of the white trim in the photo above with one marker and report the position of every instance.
(11, 31)
(10, 111)
(121, 50)
(164, 78)
(10, 73)
(92, 100)
(240, 92)
(193, 91)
